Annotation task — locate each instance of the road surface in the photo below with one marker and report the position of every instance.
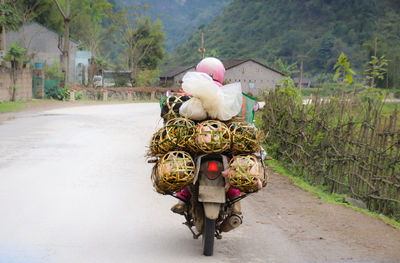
(75, 187)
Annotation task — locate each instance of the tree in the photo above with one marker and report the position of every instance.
(142, 39)
(15, 56)
(343, 73)
(9, 20)
(87, 26)
(148, 38)
(68, 17)
(65, 51)
(287, 69)
(376, 69)
(44, 12)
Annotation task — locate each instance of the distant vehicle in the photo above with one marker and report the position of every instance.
(98, 81)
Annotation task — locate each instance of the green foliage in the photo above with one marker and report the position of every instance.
(375, 70)
(324, 142)
(141, 38)
(319, 30)
(9, 106)
(10, 19)
(54, 71)
(148, 39)
(87, 26)
(289, 90)
(44, 12)
(287, 69)
(65, 94)
(15, 54)
(147, 77)
(343, 71)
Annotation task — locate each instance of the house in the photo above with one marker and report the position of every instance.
(42, 44)
(305, 83)
(173, 78)
(254, 76)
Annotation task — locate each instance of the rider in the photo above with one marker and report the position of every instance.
(216, 70)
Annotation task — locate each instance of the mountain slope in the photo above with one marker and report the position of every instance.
(180, 17)
(318, 30)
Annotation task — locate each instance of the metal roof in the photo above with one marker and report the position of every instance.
(235, 62)
(175, 71)
(227, 64)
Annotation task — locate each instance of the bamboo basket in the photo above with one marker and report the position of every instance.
(170, 106)
(246, 138)
(212, 136)
(173, 172)
(174, 136)
(247, 174)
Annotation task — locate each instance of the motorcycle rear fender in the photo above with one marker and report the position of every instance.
(211, 210)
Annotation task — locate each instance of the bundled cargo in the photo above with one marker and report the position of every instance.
(171, 104)
(212, 119)
(173, 172)
(246, 138)
(175, 135)
(246, 173)
(212, 136)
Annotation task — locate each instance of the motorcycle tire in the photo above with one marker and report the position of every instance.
(208, 237)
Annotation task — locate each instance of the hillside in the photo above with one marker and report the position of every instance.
(180, 17)
(316, 29)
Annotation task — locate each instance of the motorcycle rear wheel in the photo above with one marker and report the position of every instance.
(208, 236)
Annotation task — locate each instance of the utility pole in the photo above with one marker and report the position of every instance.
(3, 34)
(65, 50)
(301, 73)
(202, 49)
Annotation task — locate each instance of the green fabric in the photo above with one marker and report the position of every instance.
(52, 88)
(248, 107)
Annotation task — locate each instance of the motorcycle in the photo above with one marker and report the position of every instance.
(209, 212)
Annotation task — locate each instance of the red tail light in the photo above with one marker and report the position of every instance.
(213, 166)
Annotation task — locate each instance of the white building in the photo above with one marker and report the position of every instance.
(254, 76)
(43, 44)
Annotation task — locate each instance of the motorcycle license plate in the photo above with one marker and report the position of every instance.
(211, 194)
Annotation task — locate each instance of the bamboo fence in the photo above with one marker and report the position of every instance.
(344, 144)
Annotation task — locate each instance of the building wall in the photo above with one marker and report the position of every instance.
(24, 84)
(43, 44)
(255, 79)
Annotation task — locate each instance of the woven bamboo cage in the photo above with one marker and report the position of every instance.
(233, 119)
(174, 136)
(173, 172)
(170, 106)
(212, 136)
(247, 173)
(182, 129)
(245, 137)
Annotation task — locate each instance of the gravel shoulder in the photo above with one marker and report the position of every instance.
(323, 232)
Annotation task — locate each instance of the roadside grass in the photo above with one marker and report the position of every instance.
(321, 193)
(10, 106)
(20, 105)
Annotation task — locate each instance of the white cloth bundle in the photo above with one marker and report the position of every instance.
(220, 103)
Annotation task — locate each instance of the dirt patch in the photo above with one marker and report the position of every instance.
(323, 232)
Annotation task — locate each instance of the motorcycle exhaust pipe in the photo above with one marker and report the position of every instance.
(231, 223)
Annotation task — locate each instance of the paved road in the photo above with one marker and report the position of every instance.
(75, 187)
